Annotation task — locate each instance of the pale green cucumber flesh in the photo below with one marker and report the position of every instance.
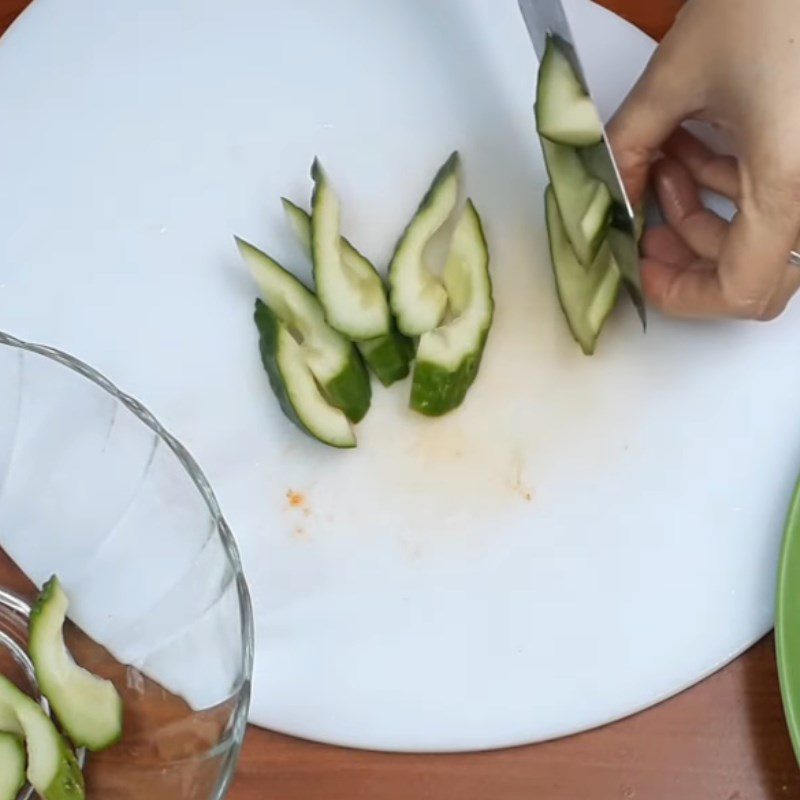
(584, 202)
(448, 357)
(626, 254)
(349, 288)
(388, 356)
(564, 111)
(89, 708)
(297, 307)
(12, 766)
(52, 768)
(587, 296)
(300, 396)
(417, 297)
(623, 234)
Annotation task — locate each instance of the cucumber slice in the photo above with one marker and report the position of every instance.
(419, 299)
(12, 766)
(332, 360)
(598, 165)
(587, 297)
(88, 708)
(449, 356)
(52, 769)
(584, 202)
(294, 385)
(388, 356)
(350, 290)
(564, 111)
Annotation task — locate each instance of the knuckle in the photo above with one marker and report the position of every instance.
(745, 304)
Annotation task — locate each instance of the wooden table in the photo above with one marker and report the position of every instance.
(722, 740)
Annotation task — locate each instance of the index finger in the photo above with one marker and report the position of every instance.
(656, 105)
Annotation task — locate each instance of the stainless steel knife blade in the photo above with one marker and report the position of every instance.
(545, 19)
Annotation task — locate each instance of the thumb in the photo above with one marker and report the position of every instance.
(661, 99)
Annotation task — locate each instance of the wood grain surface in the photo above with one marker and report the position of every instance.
(724, 739)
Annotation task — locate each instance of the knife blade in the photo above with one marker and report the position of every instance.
(545, 19)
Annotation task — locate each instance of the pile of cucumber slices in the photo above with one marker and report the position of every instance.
(588, 226)
(319, 347)
(88, 710)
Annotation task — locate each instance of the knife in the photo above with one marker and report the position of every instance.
(545, 19)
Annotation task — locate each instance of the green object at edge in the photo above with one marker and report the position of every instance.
(787, 622)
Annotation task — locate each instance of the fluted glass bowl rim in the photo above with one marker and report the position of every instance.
(198, 478)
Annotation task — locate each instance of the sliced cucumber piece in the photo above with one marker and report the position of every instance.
(564, 111)
(88, 708)
(294, 385)
(12, 766)
(599, 165)
(418, 298)
(350, 289)
(449, 356)
(52, 769)
(587, 297)
(388, 356)
(332, 360)
(584, 202)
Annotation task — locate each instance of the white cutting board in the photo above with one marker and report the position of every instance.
(583, 538)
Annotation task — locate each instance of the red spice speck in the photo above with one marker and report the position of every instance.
(296, 499)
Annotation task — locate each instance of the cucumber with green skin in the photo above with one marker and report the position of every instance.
(599, 165)
(417, 297)
(88, 708)
(12, 766)
(52, 768)
(448, 357)
(293, 383)
(388, 356)
(564, 111)
(587, 296)
(332, 360)
(584, 202)
(350, 290)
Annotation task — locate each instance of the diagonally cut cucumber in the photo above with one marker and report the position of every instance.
(52, 769)
(12, 766)
(564, 111)
(388, 356)
(418, 298)
(88, 708)
(584, 202)
(448, 357)
(599, 166)
(350, 290)
(292, 381)
(332, 360)
(587, 296)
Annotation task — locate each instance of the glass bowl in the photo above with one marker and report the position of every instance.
(94, 490)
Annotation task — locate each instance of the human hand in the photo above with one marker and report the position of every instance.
(736, 65)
